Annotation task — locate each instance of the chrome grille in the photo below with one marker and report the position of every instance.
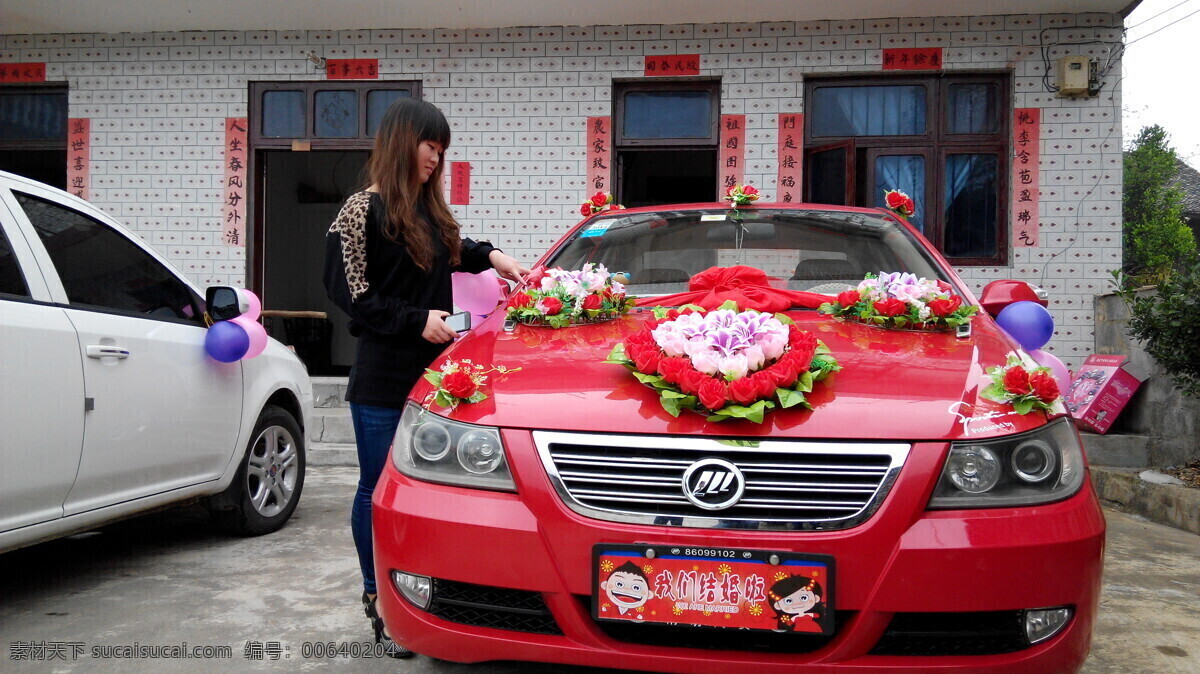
(790, 485)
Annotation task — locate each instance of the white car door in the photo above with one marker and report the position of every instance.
(41, 388)
(162, 414)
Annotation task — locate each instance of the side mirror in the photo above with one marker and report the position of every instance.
(224, 302)
(999, 294)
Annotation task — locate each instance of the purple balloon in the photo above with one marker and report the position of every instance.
(1027, 322)
(226, 341)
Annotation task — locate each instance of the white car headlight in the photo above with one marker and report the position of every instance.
(1040, 466)
(435, 449)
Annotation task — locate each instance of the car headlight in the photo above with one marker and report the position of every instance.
(1040, 466)
(435, 449)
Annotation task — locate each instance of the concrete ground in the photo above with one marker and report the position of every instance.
(168, 578)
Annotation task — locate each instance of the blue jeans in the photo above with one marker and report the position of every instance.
(374, 428)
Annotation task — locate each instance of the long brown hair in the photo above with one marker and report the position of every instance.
(393, 168)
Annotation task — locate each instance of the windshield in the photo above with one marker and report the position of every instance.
(807, 249)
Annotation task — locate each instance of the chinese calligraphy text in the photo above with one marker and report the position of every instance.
(1026, 176)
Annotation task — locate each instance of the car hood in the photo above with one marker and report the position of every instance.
(895, 385)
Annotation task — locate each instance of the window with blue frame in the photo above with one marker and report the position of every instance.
(342, 114)
(941, 139)
(33, 132)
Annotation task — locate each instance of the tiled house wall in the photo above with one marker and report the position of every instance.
(517, 99)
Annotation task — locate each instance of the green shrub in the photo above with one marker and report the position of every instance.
(1168, 323)
(1155, 238)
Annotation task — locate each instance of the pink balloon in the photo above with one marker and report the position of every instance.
(476, 293)
(255, 331)
(1061, 374)
(255, 305)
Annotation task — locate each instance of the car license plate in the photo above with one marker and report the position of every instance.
(713, 587)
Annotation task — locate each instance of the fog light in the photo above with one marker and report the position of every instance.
(418, 590)
(1043, 623)
(973, 469)
(479, 452)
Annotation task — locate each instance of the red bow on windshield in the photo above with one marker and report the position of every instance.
(749, 287)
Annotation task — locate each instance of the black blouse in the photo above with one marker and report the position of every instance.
(388, 298)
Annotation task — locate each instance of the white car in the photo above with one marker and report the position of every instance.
(109, 404)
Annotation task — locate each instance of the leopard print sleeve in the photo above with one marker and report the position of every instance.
(351, 227)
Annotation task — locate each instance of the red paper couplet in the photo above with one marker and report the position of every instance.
(352, 69)
(1026, 176)
(22, 72)
(79, 156)
(460, 182)
(789, 180)
(233, 224)
(672, 65)
(924, 58)
(599, 154)
(733, 152)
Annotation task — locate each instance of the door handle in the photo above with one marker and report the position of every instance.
(106, 351)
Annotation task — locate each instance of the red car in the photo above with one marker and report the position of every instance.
(903, 523)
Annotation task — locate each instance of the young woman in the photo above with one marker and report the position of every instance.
(388, 261)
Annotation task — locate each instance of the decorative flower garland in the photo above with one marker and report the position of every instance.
(460, 382)
(1026, 389)
(900, 203)
(725, 363)
(600, 202)
(741, 195)
(558, 298)
(901, 300)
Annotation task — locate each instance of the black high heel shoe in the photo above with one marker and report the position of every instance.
(390, 648)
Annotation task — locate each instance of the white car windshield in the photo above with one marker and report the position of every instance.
(816, 250)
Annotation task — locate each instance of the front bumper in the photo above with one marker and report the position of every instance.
(903, 560)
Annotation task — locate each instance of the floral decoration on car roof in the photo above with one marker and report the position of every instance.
(600, 202)
(741, 195)
(900, 203)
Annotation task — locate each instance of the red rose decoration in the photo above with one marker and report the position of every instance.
(1016, 380)
(765, 383)
(673, 368)
(646, 359)
(592, 302)
(643, 336)
(713, 394)
(729, 192)
(743, 391)
(599, 199)
(891, 307)
(910, 206)
(691, 379)
(848, 298)
(749, 190)
(784, 376)
(586, 209)
(895, 199)
(459, 384)
(943, 307)
(519, 300)
(1044, 386)
(551, 305)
